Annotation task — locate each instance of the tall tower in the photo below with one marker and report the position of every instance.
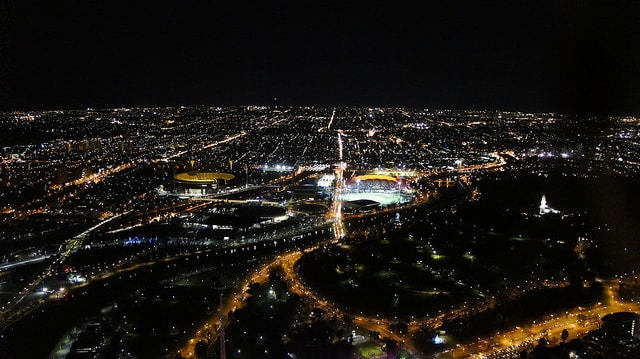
(223, 351)
(543, 205)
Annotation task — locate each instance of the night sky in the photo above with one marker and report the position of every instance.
(535, 56)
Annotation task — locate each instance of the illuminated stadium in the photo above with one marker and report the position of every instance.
(367, 192)
(203, 177)
(373, 182)
(200, 183)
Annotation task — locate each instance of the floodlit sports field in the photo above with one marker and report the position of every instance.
(384, 198)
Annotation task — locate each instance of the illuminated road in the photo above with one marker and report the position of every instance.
(23, 262)
(331, 120)
(287, 262)
(209, 145)
(236, 300)
(70, 246)
(577, 321)
(56, 189)
(336, 209)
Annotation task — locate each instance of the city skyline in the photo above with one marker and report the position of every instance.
(569, 57)
(358, 232)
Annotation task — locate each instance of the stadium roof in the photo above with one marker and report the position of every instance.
(203, 177)
(375, 177)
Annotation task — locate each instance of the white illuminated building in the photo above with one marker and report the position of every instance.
(544, 208)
